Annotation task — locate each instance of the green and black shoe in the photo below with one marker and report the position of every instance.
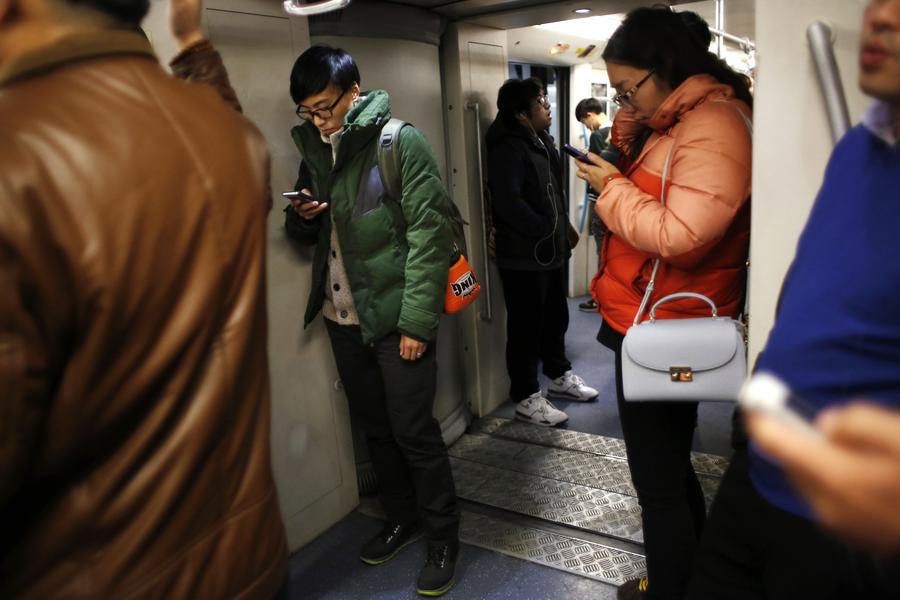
(439, 573)
(390, 541)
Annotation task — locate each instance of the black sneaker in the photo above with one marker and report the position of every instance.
(588, 306)
(439, 573)
(633, 589)
(392, 539)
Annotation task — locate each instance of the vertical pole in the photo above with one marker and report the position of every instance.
(720, 25)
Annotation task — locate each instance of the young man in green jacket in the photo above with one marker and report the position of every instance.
(379, 276)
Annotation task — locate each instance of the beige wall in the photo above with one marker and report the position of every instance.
(792, 139)
(410, 72)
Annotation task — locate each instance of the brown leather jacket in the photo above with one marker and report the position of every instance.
(134, 394)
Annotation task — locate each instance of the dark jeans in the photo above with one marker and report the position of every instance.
(753, 550)
(537, 316)
(392, 400)
(658, 437)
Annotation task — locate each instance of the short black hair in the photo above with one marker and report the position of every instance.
(516, 96)
(130, 12)
(320, 66)
(588, 105)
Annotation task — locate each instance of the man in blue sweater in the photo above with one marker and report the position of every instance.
(836, 340)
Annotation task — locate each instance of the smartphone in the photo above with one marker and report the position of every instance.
(576, 153)
(301, 196)
(765, 393)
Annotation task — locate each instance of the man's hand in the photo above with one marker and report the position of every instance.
(411, 349)
(308, 210)
(850, 476)
(596, 173)
(184, 21)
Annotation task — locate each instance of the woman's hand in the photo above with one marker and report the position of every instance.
(411, 349)
(595, 174)
(184, 21)
(308, 210)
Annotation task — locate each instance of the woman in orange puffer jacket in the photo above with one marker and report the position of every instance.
(697, 113)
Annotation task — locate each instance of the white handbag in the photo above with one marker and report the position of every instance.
(682, 360)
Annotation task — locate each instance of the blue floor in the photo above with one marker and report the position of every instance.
(329, 566)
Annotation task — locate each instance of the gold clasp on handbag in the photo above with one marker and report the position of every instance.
(681, 374)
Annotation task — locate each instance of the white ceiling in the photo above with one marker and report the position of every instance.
(533, 44)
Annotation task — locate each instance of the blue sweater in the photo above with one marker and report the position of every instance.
(837, 332)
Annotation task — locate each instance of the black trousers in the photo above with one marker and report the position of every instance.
(753, 550)
(392, 400)
(658, 437)
(537, 317)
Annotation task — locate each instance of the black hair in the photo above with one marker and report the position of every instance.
(130, 12)
(588, 105)
(517, 96)
(320, 66)
(675, 45)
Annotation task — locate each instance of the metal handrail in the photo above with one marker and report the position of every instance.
(292, 7)
(821, 45)
(745, 43)
(486, 310)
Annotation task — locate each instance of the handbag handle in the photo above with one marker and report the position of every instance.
(678, 296)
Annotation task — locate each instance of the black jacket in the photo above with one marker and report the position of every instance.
(528, 201)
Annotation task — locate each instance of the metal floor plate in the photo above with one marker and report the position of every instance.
(588, 559)
(600, 511)
(706, 464)
(593, 470)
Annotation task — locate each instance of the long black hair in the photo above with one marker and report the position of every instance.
(675, 45)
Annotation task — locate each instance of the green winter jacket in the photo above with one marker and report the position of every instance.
(396, 255)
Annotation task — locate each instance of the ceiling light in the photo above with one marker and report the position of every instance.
(581, 11)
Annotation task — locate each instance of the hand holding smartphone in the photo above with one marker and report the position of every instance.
(766, 394)
(576, 153)
(302, 197)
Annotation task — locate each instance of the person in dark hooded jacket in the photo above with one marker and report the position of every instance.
(529, 213)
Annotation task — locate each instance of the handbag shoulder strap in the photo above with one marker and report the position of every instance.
(662, 200)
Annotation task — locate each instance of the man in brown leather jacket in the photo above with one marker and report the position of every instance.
(134, 394)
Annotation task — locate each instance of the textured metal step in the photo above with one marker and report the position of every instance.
(599, 471)
(570, 554)
(607, 513)
(706, 464)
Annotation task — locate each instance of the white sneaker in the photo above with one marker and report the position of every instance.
(570, 386)
(538, 410)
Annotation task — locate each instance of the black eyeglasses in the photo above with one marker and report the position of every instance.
(623, 99)
(323, 113)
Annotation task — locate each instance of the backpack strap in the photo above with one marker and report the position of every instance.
(389, 163)
(388, 156)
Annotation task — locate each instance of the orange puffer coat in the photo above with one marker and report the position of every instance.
(702, 234)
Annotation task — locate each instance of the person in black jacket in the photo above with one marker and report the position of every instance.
(529, 214)
(590, 113)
